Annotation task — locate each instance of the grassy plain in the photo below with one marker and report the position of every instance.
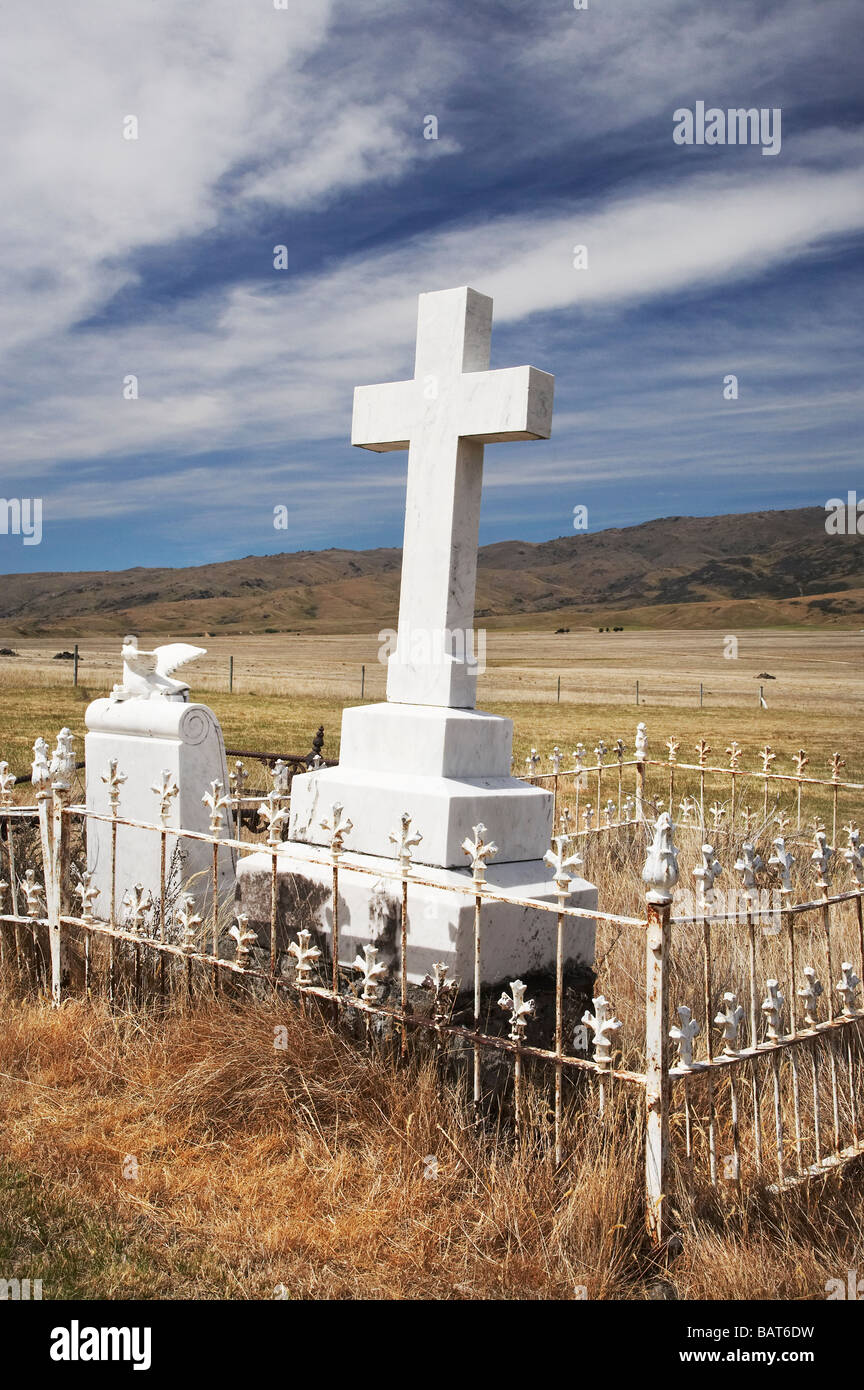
(284, 687)
(307, 1169)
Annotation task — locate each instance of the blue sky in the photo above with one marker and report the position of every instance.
(304, 127)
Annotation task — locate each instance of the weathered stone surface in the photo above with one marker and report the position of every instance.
(148, 737)
(515, 940)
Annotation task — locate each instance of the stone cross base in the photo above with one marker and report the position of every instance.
(515, 940)
(449, 769)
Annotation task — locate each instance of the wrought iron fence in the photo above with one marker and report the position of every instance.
(777, 1097)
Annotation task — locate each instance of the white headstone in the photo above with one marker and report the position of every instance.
(158, 743)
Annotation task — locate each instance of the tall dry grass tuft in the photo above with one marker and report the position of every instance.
(191, 1158)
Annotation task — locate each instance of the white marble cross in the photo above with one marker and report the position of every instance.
(443, 416)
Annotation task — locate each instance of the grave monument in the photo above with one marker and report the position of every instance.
(427, 752)
(158, 754)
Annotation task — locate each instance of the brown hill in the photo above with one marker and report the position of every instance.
(753, 569)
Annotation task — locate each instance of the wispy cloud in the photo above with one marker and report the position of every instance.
(304, 127)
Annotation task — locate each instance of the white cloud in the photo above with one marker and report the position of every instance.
(269, 366)
(215, 91)
(243, 105)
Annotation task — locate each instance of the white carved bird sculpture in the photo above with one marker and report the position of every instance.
(149, 673)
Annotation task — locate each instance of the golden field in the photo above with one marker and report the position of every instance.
(284, 687)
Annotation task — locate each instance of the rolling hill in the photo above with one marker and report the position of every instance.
(753, 569)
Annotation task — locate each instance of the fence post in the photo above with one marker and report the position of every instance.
(230, 675)
(657, 1085)
(661, 875)
(75, 666)
(59, 889)
(641, 754)
(44, 805)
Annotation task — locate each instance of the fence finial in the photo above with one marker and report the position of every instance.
(821, 858)
(404, 841)
(113, 782)
(304, 955)
(705, 874)
(216, 799)
(444, 991)
(748, 865)
(853, 854)
(683, 1034)
(579, 776)
(7, 782)
(848, 987)
(243, 938)
(809, 994)
(337, 828)
(237, 779)
(478, 850)
(166, 790)
(519, 1008)
(33, 892)
(772, 1008)
(783, 862)
(41, 770)
(187, 921)
(661, 866)
(373, 972)
(275, 814)
(63, 759)
(137, 902)
(86, 893)
(281, 774)
(560, 862)
(734, 752)
(641, 742)
(729, 1019)
(602, 1023)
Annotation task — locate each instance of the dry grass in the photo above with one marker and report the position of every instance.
(302, 1167)
(306, 1168)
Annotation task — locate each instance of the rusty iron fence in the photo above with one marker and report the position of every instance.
(614, 788)
(776, 1098)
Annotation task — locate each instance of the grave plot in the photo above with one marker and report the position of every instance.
(723, 1013)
